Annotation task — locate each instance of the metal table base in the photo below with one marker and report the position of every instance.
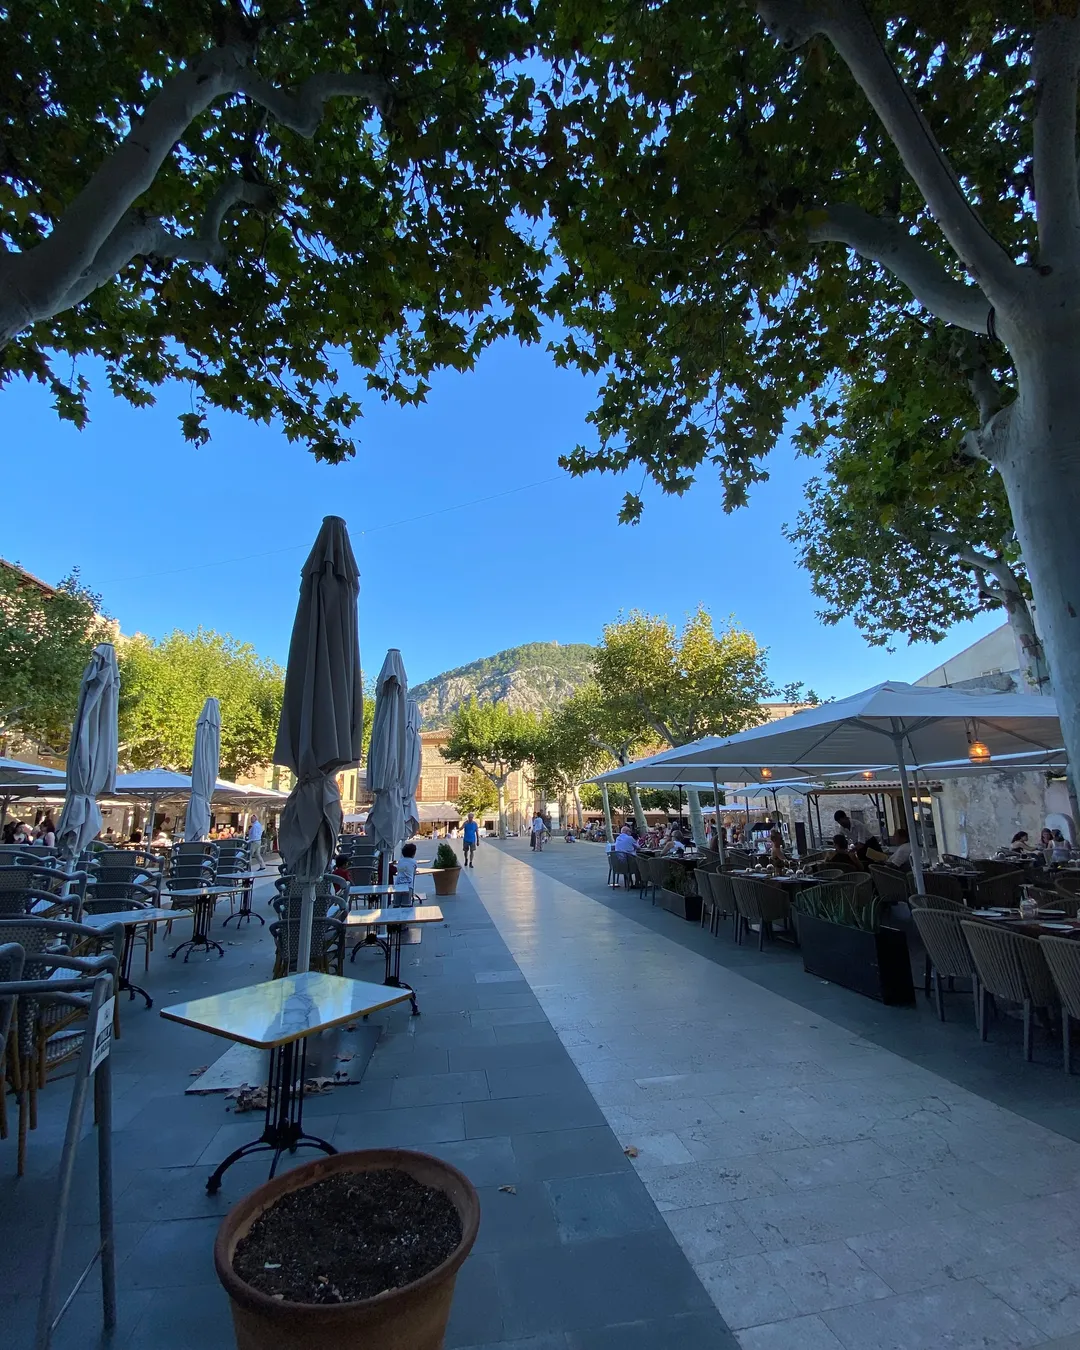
(391, 949)
(200, 938)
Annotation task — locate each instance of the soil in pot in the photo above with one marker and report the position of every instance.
(348, 1237)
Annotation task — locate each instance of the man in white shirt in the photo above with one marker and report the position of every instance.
(901, 854)
(254, 835)
(625, 841)
(538, 828)
(854, 829)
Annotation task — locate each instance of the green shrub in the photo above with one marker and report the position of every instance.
(837, 904)
(445, 857)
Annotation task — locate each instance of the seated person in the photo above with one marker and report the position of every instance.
(901, 854)
(405, 874)
(1020, 842)
(841, 856)
(675, 846)
(872, 852)
(776, 854)
(625, 841)
(341, 867)
(1060, 848)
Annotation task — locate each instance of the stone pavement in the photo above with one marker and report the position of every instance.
(831, 1190)
(575, 1257)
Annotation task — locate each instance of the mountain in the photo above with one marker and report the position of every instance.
(535, 676)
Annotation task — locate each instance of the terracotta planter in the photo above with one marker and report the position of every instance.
(413, 1317)
(446, 880)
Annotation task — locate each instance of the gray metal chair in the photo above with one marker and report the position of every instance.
(757, 902)
(12, 958)
(1012, 967)
(948, 952)
(892, 885)
(1063, 959)
(1000, 890)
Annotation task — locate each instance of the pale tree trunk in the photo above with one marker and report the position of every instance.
(639, 813)
(697, 820)
(578, 811)
(608, 830)
(500, 787)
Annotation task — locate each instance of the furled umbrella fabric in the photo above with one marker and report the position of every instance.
(413, 759)
(92, 752)
(205, 759)
(387, 755)
(322, 715)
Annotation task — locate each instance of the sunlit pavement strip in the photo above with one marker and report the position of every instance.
(827, 1192)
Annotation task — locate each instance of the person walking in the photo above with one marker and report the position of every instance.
(538, 828)
(470, 837)
(254, 836)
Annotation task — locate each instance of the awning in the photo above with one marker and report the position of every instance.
(432, 811)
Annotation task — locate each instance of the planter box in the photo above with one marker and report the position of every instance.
(446, 880)
(874, 964)
(685, 906)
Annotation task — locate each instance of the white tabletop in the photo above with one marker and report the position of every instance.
(130, 917)
(197, 892)
(380, 890)
(369, 918)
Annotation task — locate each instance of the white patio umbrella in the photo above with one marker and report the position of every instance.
(92, 751)
(205, 759)
(414, 751)
(907, 725)
(322, 715)
(387, 758)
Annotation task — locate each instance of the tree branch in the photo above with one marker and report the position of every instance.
(99, 225)
(1055, 68)
(888, 243)
(985, 390)
(848, 27)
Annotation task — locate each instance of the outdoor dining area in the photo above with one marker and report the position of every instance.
(995, 933)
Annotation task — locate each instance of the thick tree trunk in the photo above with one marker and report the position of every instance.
(501, 789)
(697, 820)
(578, 809)
(1040, 466)
(639, 814)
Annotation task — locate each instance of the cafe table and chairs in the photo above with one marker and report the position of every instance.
(279, 1016)
(388, 929)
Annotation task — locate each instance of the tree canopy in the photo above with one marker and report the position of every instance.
(476, 793)
(493, 740)
(241, 196)
(46, 639)
(164, 684)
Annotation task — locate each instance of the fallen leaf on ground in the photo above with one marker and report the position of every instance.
(509, 1190)
(195, 1073)
(630, 1151)
(346, 1056)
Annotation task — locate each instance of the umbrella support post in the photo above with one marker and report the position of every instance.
(721, 846)
(909, 817)
(307, 910)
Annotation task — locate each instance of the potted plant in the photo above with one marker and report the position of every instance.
(844, 941)
(678, 893)
(357, 1249)
(447, 870)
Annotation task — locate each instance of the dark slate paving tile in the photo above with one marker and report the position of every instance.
(519, 1055)
(438, 1088)
(171, 1254)
(568, 1153)
(449, 996)
(514, 1033)
(403, 1128)
(82, 1325)
(602, 1206)
(596, 1284)
(370, 1094)
(688, 1331)
(486, 1162)
(476, 1314)
(557, 1341)
(156, 1194)
(535, 1080)
(517, 995)
(185, 1318)
(522, 1219)
(417, 1061)
(181, 1144)
(520, 1115)
(504, 975)
(248, 1128)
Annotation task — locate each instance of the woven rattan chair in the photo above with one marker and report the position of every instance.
(11, 967)
(723, 899)
(859, 885)
(937, 902)
(1012, 967)
(947, 951)
(759, 903)
(50, 1034)
(619, 869)
(327, 946)
(991, 867)
(1063, 958)
(1067, 883)
(827, 873)
(893, 886)
(1001, 890)
(708, 903)
(945, 886)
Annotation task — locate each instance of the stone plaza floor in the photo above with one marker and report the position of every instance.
(808, 1168)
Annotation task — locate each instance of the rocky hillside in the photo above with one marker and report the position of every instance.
(536, 676)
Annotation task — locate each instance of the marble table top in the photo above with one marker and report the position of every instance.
(369, 918)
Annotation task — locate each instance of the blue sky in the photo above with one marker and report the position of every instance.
(175, 536)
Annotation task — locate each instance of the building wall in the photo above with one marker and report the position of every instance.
(440, 780)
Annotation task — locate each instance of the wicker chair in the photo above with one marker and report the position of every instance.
(827, 873)
(859, 885)
(327, 946)
(1012, 967)
(650, 870)
(947, 951)
(704, 878)
(723, 899)
(11, 967)
(758, 902)
(1063, 958)
(992, 867)
(893, 886)
(138, 897)
(1001, 890)
(944, 886)
(48, 1034)
(619, 867)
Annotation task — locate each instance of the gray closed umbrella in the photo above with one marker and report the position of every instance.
(413, 759)
(386, 759)
(205, 760)
(322, 715)
(92, 751)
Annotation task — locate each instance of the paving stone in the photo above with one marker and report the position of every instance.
(548, 1111)
(602, 1206)
(567, 1153)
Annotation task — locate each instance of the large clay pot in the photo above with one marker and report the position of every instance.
(446, 880)
(413, 1317)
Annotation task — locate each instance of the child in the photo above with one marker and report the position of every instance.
(341, 867)
(405, 874)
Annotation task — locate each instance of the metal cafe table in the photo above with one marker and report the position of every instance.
(371, 894)
(279, 1016)
(202, 901)
(132, 919)
(394, 922)
(245, 883)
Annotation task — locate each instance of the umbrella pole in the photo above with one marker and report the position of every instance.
(607, 814)
(909, 817)
(307, 911)
(719, 827)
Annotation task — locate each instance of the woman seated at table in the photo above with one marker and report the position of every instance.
(841, 856)
(674, 844)
(1020, 843)
(776, 854)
